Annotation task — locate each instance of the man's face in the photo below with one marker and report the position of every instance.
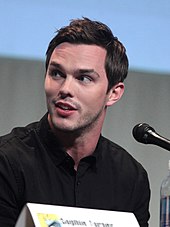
(76, 87)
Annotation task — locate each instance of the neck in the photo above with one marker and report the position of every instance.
(79, 144)
(83, 147)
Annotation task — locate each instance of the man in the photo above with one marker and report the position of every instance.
(63, 159)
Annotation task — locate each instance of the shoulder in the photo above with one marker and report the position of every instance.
(23, 133)
(18, 133)
(22, 143)
(18, 150)
(125, 168)
(121, 159)
(19, 140)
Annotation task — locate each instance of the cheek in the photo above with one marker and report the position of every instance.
(49, 88)
(94, 99)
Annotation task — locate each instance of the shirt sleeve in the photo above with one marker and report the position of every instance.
(9, 207)
(141, 198)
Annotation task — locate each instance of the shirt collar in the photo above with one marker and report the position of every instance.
(54, 148)
(50, 141)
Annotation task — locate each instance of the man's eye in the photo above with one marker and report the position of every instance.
(85, 79)
(56, 73)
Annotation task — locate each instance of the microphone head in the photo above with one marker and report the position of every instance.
(141, 132)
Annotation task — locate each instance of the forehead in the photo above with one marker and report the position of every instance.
(79, 53)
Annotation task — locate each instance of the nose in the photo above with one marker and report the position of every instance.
(66, 88)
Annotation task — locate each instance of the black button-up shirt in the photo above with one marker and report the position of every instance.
(35, 168)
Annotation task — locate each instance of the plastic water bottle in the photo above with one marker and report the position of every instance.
(165, 201)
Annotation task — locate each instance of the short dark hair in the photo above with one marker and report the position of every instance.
(86, 31)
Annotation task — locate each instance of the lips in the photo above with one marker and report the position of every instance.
(65, 106)
(65, 109)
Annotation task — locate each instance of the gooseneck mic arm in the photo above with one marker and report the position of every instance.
(144, 133)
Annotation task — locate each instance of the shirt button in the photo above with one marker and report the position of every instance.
(67, 160)
(78, 183)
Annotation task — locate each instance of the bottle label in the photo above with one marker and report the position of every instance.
(165, 212)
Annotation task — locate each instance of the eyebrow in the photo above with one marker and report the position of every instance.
(52, 63)
(89, 71)
(83, 71)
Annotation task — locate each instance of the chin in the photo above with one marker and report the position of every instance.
(61, 127)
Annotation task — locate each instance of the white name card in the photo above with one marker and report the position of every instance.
(40, 215)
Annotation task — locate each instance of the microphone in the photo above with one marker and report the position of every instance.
(144, 133)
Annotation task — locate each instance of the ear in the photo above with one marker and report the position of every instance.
(115, 93)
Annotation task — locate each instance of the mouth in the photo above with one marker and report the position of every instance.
(65, 109)
(65, 106)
